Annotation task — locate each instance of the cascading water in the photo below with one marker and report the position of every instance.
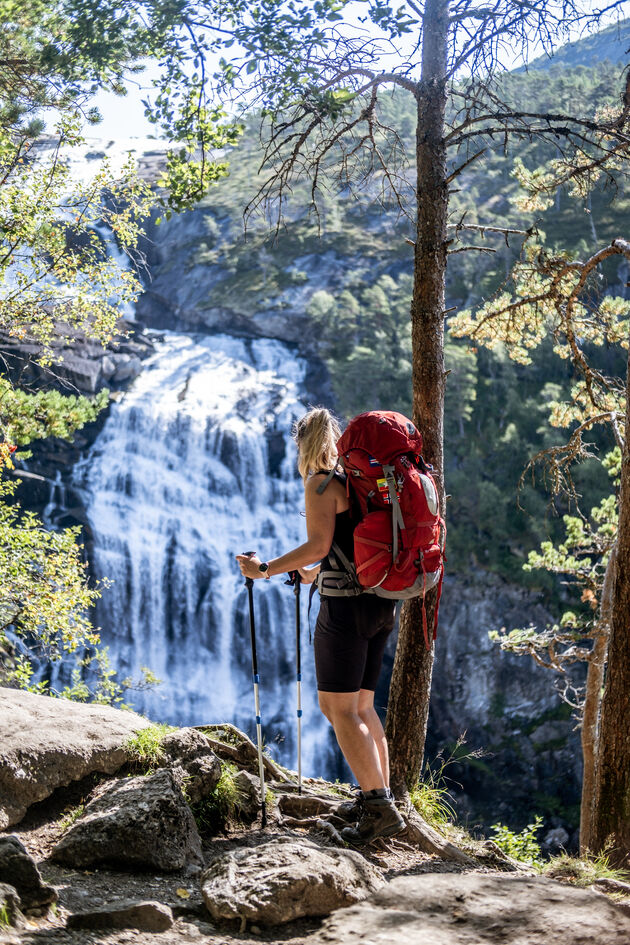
(194, 465)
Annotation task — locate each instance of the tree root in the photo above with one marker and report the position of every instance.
(420, 835)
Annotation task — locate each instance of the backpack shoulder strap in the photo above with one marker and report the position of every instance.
(326, 482)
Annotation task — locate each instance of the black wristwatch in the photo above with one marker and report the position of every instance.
(263, 567)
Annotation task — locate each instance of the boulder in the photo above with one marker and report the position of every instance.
(285, 879)
(134, 822)
(19, 869)
(46, 743)
(147, 916)
(127, 367)
(10, 906)
(189, 755)
(479, 908)
(247, 795)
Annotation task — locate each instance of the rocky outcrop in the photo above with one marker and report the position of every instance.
(140, 822)
(285, 879)
(82, 365)
(145, 916)
(46, 743)
(179, 247)
(478, 908)
(506, 706)
(20, 870)
(247, 795)
(10, 906)
(189, 756)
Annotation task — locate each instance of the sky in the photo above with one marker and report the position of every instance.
(123, 117)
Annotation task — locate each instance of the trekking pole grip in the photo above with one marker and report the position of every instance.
(249, 582)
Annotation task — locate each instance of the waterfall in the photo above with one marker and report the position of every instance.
(193, 465)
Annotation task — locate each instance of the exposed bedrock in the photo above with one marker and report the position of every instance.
(48, 743)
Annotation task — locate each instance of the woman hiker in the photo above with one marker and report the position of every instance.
(350, 633)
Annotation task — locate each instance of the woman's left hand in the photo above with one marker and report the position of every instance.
(308, 575)
(250, 566)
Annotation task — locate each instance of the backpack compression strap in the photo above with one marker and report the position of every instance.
(397, 519)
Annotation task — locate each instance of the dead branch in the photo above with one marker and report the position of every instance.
(483, 229)
(465, 249)
(451, 177)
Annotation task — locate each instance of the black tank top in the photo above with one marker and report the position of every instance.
(343, 535)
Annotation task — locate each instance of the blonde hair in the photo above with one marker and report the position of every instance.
(316, 435)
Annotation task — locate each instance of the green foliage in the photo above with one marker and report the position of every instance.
(366, 340)
(59, 53)
(430, 796)
(214, 812)
(145, 747)
(25, 417)
(52, 265)
(71, 817)
(43, 592)
(581, 558)
(5, 918)
(520, 846)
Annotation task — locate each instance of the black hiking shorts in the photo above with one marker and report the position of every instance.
(350, 638)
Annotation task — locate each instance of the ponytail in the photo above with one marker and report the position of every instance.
(316, 435)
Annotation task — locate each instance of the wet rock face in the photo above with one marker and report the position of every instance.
(477, 908)
(285, 879)
(85, 368)
(83, 365)
(507, 706)
(47, 743)
(134, 822)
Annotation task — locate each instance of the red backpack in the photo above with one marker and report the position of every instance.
(399, 535)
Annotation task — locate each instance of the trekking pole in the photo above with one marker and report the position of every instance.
(249, 584)
(295, 581)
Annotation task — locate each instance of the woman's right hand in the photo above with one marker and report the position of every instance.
(308, 575)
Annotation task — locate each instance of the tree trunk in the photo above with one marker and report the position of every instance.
(592, 702)
(410, 686)
(611, 814)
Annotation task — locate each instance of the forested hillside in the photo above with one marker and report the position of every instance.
(342, 272)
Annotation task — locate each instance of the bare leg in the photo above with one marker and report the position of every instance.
(369, 715)
(355, 739)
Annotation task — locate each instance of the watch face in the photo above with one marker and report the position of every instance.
(263, 568)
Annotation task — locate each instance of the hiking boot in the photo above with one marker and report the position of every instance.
(379, 818)
(351, 811)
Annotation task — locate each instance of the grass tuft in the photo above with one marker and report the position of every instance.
(432, 803)
(146, 746)
(584, 870)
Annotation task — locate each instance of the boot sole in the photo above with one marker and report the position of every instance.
(389, 832)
